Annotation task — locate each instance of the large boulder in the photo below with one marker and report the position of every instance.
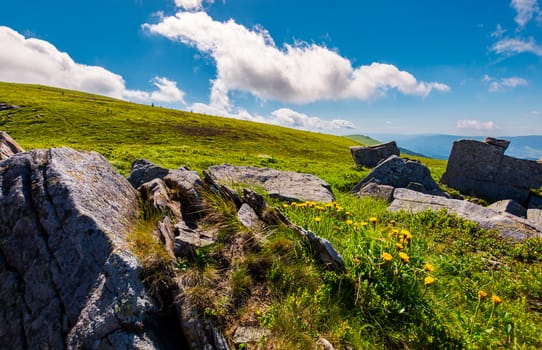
(8, 146)
(68, 278)
(481, 169)
(285, 185)
(370, 156)
(401, 173)
(509, 226)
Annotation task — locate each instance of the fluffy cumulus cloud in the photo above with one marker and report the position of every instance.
(526, 11)
(476, 125)
(29, 60)
(504, 84)
(249, 60)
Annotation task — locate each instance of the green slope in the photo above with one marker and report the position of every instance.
(123, 132)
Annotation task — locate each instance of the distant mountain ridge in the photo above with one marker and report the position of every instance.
(439, 146)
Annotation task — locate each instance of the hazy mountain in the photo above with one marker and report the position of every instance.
(439, 146)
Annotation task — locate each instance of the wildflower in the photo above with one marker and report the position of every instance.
(394, 233)
(363, 224)
(404, 257)
(428, 280)
(330, 205)
(349, 222)
(387, 256)
(496, 300)
(399, 246)
(482, 294)
(285, 205)
(373, 220)
(428, 267)
(392, 222)
(320, 208)
(347, 213)
(338, 209)
(406, 235)
(294, 204)
(357, 260)
(317, 219)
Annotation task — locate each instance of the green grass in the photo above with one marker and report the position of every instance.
(274, 280)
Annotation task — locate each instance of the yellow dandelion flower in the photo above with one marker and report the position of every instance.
(392, 222)
(496, 300)
(373, 220)
(330, 205)
(387, 256)
(285, 205)
(349, 222)
(482, 294)
(319, 207)
(317, 219)
(357, 260)
(428, 280)
(339, 209)
(404, 257)
(363, 224)
(406, 235)
(294, 204)
(428, 267)
(347, 213)
(399, 246)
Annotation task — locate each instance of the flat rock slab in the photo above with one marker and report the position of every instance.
(8, 146)
(509, 226)
(285, 185)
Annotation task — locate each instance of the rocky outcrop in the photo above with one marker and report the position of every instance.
(509, 206)
(8, 146)
(374, 190)
(401, 173)
(370, 156)
(284, 185)
(509, 226)
(481, 169)
(68, 277)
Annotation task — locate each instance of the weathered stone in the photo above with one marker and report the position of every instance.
(375, 190)
(370, 156)
(156, 194)
(8, 146)
(321, 247)
(248, 218)
(509, 206)
(535, 215)
(503, 144)
(6, 107)
(145, 171)
(187, 239)
(285, 185)
(68, 279)
(481, 169)
(535, 202)
(509, 226)
(186, 186)
(400, 173)
(324, 344)
(249, 335)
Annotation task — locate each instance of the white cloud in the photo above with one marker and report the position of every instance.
(476, 125)
(515, 45)
(248, 60)
(526, 10)
(192, 4)
(499, 31)
(34, 61)
(504, 84)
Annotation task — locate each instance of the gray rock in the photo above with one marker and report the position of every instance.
(321, 247)
(401, 173)
(370, 156)
(535, 215)
(188, 239)
(249, 335)
(8, 146)
(497, 142)
(186, 186)
(145, 171)
(68, 279)
(248, 218)
(509, 206)
(324, 344)
(6, 107)
(481, 169)
(509, 226)
(375, 190)
(285, 185)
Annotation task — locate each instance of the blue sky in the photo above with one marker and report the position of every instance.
(343, 67)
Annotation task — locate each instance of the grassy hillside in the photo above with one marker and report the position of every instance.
(123, 132)
(425, 281)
